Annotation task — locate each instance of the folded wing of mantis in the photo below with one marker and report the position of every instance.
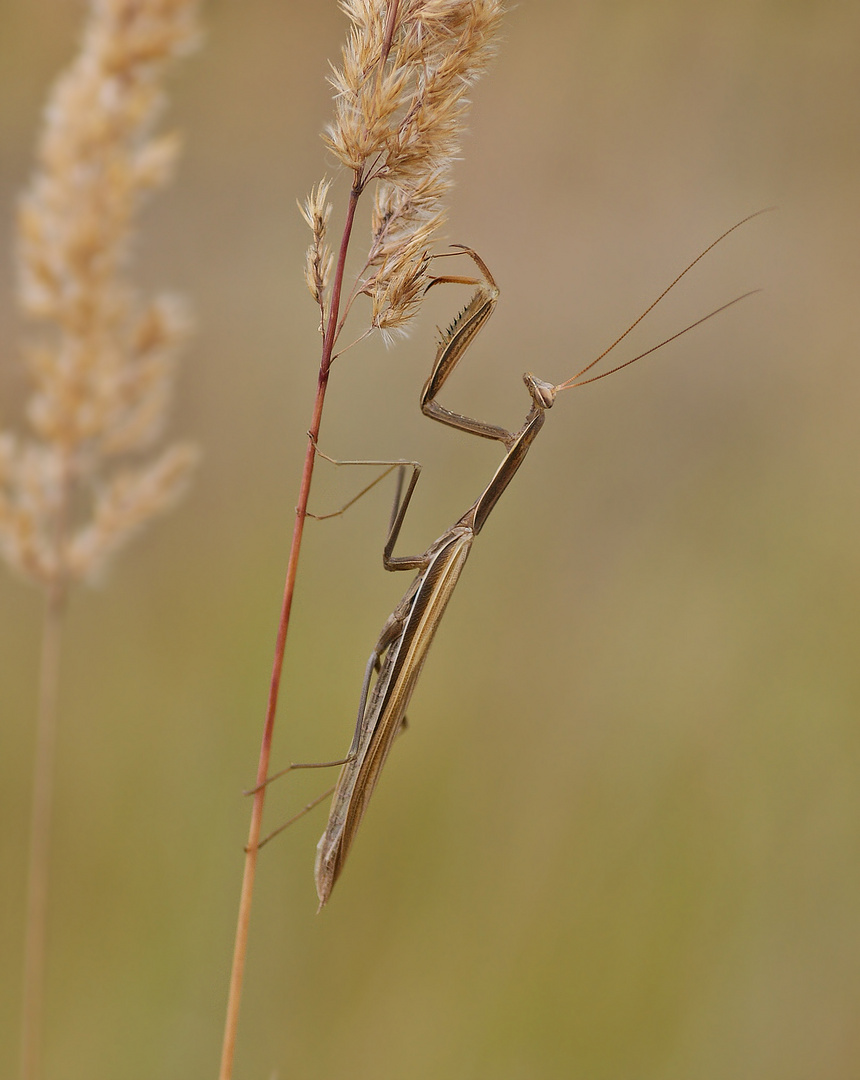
(400, 652)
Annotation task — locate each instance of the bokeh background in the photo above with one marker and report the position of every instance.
(621, 837)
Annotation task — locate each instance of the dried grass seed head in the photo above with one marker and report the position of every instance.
(103, 370)
(318, 263)
(398, 121)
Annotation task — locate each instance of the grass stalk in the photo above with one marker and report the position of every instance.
(82, 478)
(240, 947)
(35, 933)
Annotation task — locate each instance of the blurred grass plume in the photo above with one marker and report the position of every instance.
(103, 370)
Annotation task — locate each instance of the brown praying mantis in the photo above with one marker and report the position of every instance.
(398, 656)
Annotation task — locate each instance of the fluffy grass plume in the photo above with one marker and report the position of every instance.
(102, 368)
(401, 98)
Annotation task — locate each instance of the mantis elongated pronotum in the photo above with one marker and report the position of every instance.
(400, 652)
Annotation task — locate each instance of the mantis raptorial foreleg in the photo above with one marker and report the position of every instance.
(453, 344)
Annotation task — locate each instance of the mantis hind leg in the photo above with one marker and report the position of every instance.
(389, 634)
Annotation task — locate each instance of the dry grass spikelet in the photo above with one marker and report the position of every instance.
(103, 369)
(400, 106)
(316, 212)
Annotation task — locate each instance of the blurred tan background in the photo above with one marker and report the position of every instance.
(621, 837)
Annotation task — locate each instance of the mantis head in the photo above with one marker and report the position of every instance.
(542, 393)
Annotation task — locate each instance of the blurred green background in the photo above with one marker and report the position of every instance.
(621, 837)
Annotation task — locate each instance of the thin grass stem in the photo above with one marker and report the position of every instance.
(240, 947)
(35, 933)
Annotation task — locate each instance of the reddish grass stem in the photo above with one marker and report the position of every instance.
(240, 948)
